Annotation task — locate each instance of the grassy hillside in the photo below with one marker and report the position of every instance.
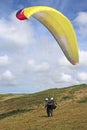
(27, 112)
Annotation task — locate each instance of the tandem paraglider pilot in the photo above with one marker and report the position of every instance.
(50, 105)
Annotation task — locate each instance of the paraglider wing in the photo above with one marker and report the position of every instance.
(60, 27)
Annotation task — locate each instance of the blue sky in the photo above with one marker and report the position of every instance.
(30, 58)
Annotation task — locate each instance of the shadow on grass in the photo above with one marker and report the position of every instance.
(14, 112)
(43, 116)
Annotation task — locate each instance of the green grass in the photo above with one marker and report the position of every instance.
(27, 112)
(77, 88)
(83, 100)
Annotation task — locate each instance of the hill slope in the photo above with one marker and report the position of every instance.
(27, 112)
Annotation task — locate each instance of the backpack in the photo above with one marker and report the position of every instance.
(51, 105)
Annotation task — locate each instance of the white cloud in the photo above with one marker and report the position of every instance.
(83, 58)
(82, 76)
(7, 78)
(38, 67)
(67, 78)
(63, 61)
(81, 18)
(15, 31)
(81, 22)
(4, 60)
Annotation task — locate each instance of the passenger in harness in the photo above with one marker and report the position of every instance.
(50, 105)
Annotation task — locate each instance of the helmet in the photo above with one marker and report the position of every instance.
(51, 98)
(46, 99)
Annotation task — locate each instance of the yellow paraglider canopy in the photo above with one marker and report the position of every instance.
(60, 27)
